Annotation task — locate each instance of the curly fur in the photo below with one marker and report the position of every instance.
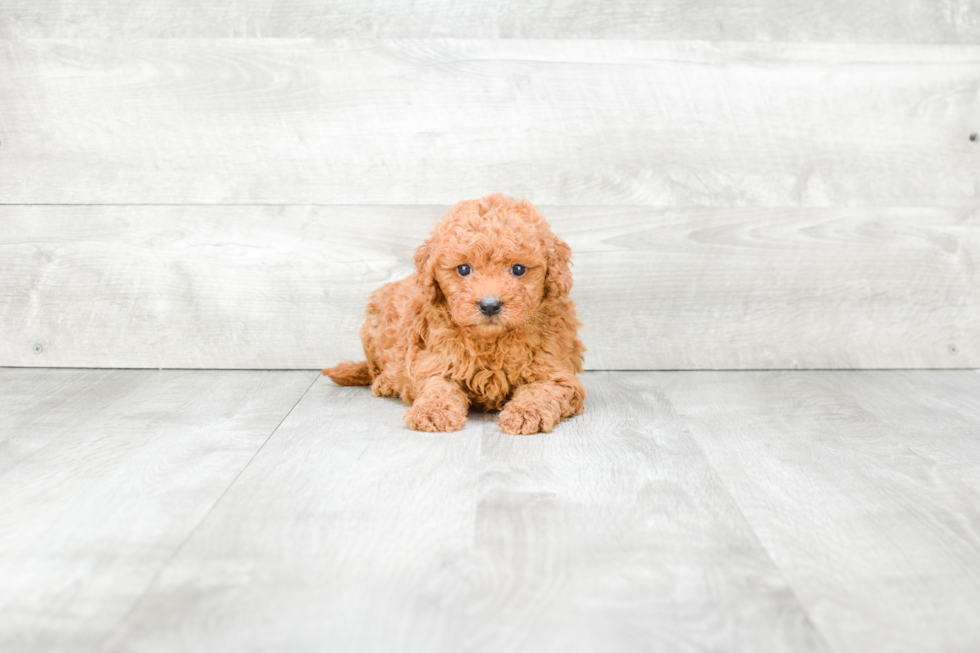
(427, 341)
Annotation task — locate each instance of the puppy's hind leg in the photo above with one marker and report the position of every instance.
(349, 373)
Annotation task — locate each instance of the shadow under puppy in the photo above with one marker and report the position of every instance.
(485, 320)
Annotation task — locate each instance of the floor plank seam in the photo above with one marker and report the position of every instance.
(156, 577)
(714, 472)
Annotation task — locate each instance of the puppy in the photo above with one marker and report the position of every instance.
(485, 321)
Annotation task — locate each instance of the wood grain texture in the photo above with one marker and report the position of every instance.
(651, 123)
(613, 534)
(285, 287)
(682, 511)
(863, 488)
(104, 475)
(40, 407)
(350, 533)
(919, 403)
(887, 21)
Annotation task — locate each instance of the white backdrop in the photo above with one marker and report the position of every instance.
(744, 184)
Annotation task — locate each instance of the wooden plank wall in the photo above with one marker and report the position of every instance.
(745, 185)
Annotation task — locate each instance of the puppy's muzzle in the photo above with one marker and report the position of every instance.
(490, 305)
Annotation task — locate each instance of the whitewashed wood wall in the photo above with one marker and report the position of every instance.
(745, 184)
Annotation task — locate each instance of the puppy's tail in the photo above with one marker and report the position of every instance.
(349, 373)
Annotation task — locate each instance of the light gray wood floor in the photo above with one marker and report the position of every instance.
(683, 511)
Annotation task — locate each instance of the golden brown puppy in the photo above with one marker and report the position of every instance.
(485, 320)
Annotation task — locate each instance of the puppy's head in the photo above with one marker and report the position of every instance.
(493, 262)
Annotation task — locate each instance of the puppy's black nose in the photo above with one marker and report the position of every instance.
(490, 305)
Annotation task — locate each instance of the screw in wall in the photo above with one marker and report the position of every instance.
(38, 349)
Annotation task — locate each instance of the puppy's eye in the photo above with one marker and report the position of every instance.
(464, 270)
(518, 270)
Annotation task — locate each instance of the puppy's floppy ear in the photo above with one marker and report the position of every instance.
(425, 273)
(558, 280)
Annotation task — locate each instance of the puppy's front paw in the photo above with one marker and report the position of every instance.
(525, 418)
(434, 418)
